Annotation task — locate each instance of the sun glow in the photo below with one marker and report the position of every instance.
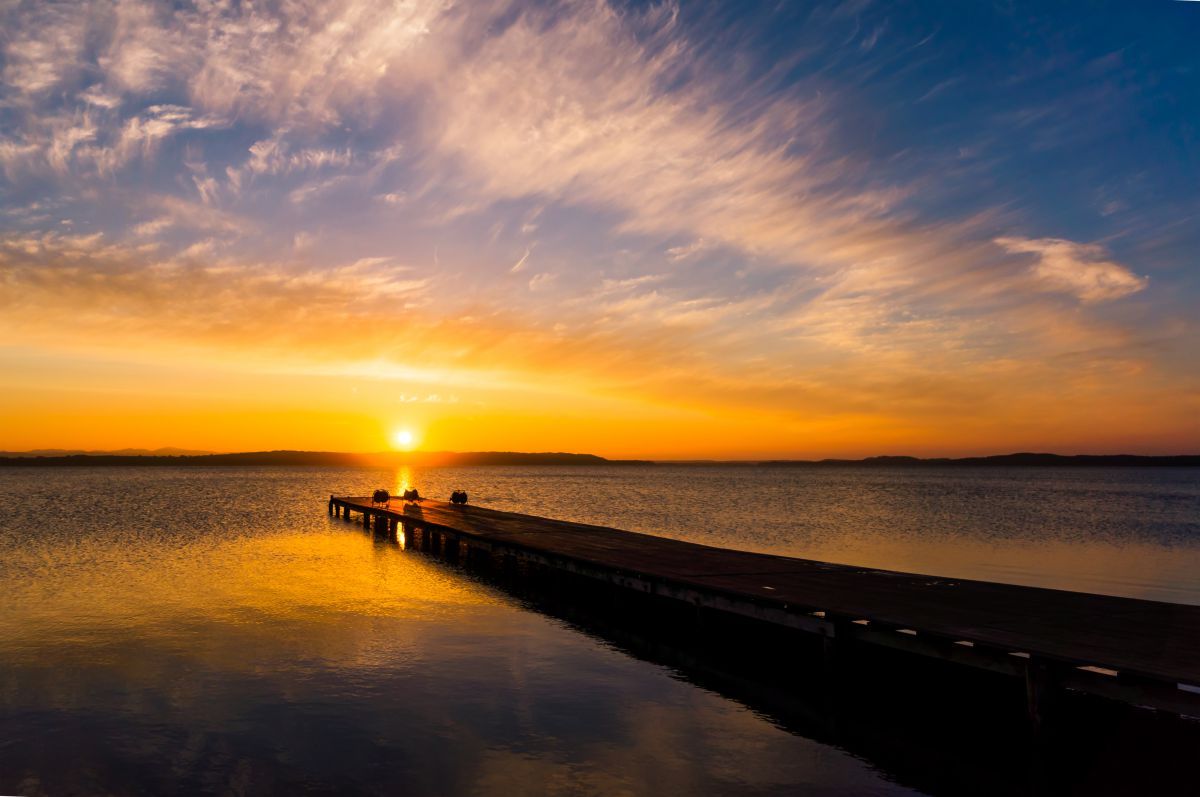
(403, 439)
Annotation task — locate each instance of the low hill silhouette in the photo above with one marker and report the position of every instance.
(319, 459)
(1002, 460)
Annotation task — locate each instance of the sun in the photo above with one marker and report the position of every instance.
(403, 438)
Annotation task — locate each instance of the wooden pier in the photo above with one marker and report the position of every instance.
(1145, 653)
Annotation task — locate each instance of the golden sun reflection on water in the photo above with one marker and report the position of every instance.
(404, 479)
(214, 631)
(119, 587)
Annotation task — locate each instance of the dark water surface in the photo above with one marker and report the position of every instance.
(193, 630)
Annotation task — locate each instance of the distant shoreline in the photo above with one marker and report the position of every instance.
(514, 458)
(319, 459)
(1001, 460)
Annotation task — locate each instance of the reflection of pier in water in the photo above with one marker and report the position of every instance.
(939, 681)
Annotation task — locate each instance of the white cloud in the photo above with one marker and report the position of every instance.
(274, 156)
(44, 46)
(677, 253)
(145, 51)
(542, 282)
(1083, 270)
(149, 229)
(520, 264)
(97, 96)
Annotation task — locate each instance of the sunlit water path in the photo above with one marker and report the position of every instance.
(212, 630)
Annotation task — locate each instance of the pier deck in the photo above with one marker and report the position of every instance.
(1139, 651)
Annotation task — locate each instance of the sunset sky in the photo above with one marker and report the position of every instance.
(637, 230)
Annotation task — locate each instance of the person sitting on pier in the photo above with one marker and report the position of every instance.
(412, 496)
(458, 497)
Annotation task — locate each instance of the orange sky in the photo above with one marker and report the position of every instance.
(173, 397)
(573, 230)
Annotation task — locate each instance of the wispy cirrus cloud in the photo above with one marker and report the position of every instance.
(717, 220)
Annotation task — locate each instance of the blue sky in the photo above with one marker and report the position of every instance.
(823, 227)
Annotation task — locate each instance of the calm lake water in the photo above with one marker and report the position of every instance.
(187, 630)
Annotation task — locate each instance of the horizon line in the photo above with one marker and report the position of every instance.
(180, 452)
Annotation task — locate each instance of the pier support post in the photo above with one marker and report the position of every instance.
(1041, 689)
(331, 504)
(834, 641)
(835, 651)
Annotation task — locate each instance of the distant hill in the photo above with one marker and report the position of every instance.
(123, 452)
(1005, 460)
(313, 458)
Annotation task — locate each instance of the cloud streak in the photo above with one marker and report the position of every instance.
(253, 176)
